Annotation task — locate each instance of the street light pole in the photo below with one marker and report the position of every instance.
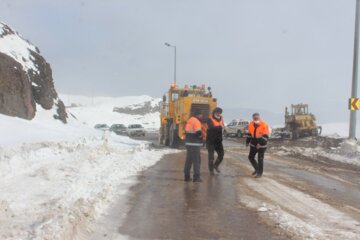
(354, 87)
(173, 46)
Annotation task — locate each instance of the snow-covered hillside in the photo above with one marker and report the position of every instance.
(15, 46)
(94, 110)
(26, 83)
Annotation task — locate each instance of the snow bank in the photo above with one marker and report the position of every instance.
(56, 179)
(348, 152)
(43, 128)
(92, 111)
(50, 189)
(300, 215)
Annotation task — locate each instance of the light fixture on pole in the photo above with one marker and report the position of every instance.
(173, 46)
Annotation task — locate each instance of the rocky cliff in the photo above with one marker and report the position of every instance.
(26, 82)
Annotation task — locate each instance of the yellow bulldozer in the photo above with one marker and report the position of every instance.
(176, 108)
(298, 123)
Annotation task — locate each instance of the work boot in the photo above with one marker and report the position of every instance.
(258, 175)
(217, 169)
(188, 179)
(198, 180)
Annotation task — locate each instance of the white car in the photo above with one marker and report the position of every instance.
(136, 130)
(237, 127)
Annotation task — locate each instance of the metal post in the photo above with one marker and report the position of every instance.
(173, 46)
(175, 65)
(352, 128)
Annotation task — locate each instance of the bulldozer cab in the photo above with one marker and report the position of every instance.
(299, 109)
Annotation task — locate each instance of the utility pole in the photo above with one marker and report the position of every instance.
(354, 86)
(173, 46)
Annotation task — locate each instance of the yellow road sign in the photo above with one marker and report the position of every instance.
(354, 104)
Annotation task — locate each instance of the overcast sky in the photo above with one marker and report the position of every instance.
(263, 54)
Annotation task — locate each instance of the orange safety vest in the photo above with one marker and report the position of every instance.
(217, 123)
(193, 125)
(261, 130)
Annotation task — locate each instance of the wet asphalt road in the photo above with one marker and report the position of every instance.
(164, 207)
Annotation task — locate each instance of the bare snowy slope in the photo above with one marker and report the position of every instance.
(110, 110)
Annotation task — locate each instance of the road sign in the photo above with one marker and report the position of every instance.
(354, 104)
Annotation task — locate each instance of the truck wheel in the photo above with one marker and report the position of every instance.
(161, 136)
(161, 140)
(174, 136)
(167, 134)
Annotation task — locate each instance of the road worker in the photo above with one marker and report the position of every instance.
(257, 139)
(193, 142)
(214, 139)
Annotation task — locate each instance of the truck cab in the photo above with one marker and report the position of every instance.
(178, 106)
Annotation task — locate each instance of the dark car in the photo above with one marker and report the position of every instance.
(103, 127)
(119, 129)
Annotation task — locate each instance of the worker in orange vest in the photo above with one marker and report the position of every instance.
(193, 142)
(257, 139)
(214, 139)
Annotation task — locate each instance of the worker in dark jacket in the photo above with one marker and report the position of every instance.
(193, 142)
(257, 139)
(215, 125)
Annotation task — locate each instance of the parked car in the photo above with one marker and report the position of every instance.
(119, 129)
(135, 130)
(101, 126)
(236, 127)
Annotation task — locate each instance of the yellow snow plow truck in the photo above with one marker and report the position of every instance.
(176, 108)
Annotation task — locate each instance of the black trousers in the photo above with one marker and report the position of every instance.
(259, 165)
(192, 158)
(219, 149)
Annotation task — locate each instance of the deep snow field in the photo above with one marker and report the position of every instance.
(56, 179)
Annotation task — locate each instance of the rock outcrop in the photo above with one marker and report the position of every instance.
(26, 81)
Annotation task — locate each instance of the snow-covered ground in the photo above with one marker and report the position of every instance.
(347, 152)
(301, 215)
(95, 110)
(56, 179)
